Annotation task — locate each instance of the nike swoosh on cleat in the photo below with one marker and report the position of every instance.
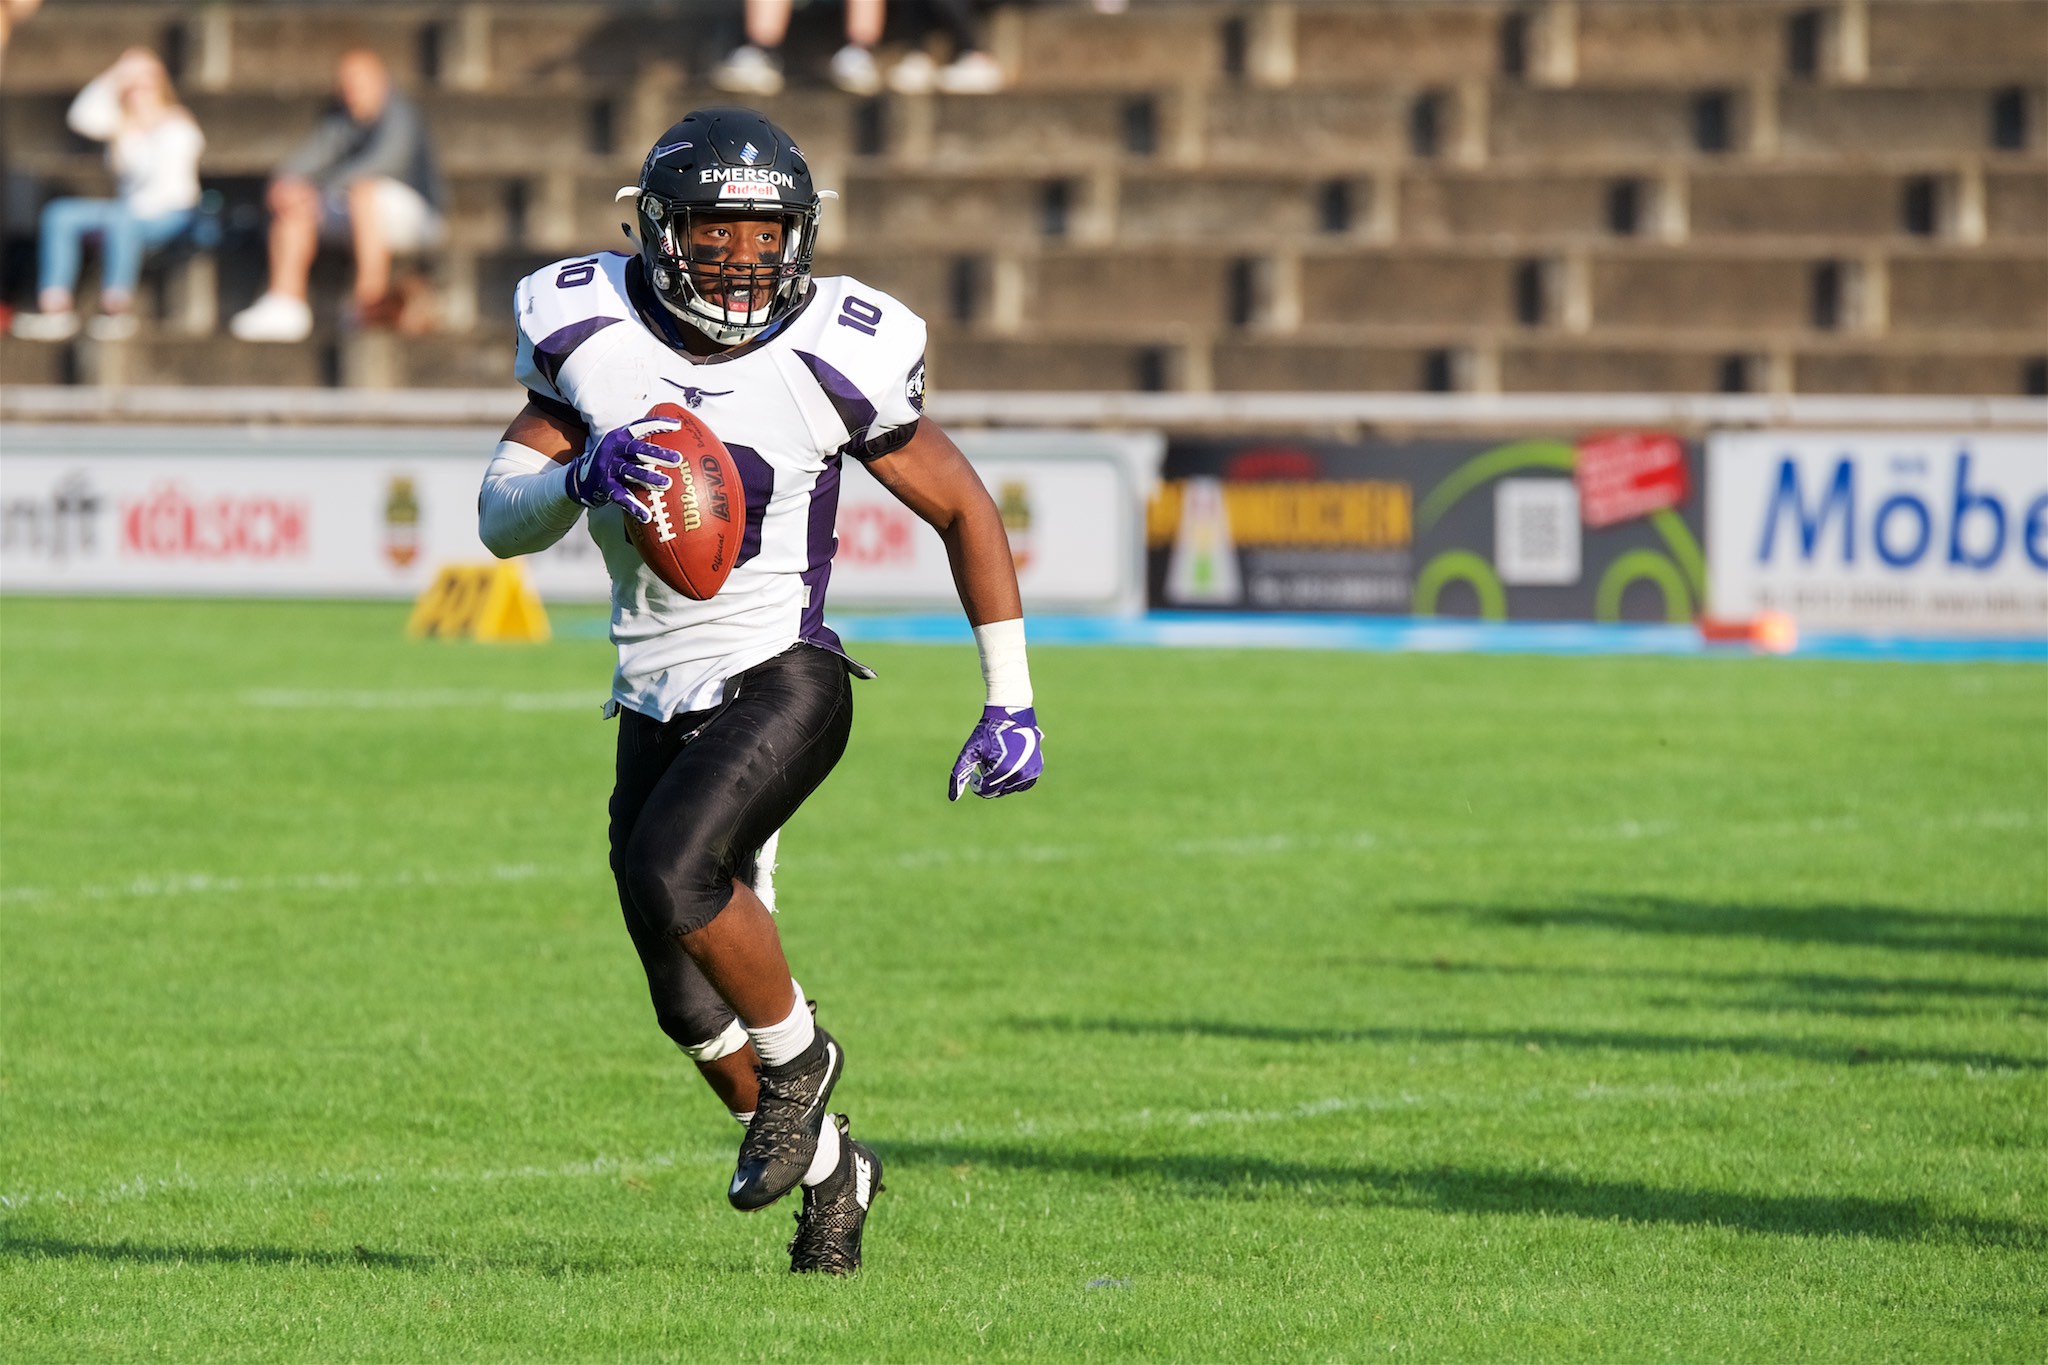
(831, 1065)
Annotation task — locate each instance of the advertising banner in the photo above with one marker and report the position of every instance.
(370, 512)
(1604, 528)
(1072, 504)
(1916, 532)
(356, 512)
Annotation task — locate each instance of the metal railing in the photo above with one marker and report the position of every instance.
(1172, 411)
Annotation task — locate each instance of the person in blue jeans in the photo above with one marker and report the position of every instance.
(153, 147)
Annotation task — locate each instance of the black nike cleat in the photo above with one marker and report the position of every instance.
(783, 1138)
(835, 1210)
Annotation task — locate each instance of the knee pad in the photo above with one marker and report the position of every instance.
(682, 886)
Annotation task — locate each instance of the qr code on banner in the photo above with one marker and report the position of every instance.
(1536, 537)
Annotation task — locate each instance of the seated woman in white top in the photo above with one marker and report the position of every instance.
(153, 148)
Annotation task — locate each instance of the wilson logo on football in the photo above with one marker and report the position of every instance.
(686, 501)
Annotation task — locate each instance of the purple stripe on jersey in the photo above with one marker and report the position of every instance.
(757, 477)
(550, 355)
(814, 630)
(847, 400)
(822, 545)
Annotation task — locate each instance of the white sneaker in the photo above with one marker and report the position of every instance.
(749, 71)
(916, 74)
(854, 71)
(45, 326)
(112, 327)
(274, 317)
(971, 73)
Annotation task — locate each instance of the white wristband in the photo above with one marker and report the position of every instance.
(1003, 667)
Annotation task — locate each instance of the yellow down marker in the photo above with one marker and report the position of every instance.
(479, 602)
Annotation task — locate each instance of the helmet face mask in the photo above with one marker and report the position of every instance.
(723, 168)
(697, 280)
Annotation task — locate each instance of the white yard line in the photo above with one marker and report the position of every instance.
(1228, 846)
(207, 883)
(418, 699)
(1405, 1101)
(142, 1186)
(621, 1167)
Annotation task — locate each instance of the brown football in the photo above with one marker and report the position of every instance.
(699, 518)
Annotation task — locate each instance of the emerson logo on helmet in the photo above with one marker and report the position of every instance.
(747, 182)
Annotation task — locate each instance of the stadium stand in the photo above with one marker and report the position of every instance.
(1595, 196)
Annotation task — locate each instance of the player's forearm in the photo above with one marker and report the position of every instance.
(984, 574)
(523, 506)
(932, 478)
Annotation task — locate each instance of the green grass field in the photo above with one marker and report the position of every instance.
(1315, 1006)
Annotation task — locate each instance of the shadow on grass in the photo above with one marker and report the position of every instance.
(1448, 1190)
(1619, 1040)
(1529, 1193)
(16, 1247)
(1818, 992)
(1873, 926)
(1767, 1002)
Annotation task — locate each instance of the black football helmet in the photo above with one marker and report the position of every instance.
(725, 163)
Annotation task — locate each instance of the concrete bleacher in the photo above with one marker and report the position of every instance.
(1599, 195)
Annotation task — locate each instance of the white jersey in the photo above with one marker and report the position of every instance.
(843, 375)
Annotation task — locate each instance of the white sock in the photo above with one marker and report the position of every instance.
(786, 1041)
(827, 1159)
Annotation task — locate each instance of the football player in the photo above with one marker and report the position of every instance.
(732, 710)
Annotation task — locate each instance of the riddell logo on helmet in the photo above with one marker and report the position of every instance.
(737, 191)
(747, 175)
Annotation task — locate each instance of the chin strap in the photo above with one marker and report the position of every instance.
(725, 334)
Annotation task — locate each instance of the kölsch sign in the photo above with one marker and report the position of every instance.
(1939, 533)
(374, 512)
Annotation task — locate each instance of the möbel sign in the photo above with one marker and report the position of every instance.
(1926, 532)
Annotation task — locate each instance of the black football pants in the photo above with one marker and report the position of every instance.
(697, 796)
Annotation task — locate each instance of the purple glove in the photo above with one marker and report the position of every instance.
(622, 458)
(1005, 754)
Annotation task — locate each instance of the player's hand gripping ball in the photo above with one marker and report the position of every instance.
(619, 466)
(691, 535)
(1004, 755)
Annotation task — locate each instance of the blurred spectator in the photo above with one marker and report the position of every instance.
(755, 67)
(13, 14)
(364, 176)
(153, 148)
(972, 71)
